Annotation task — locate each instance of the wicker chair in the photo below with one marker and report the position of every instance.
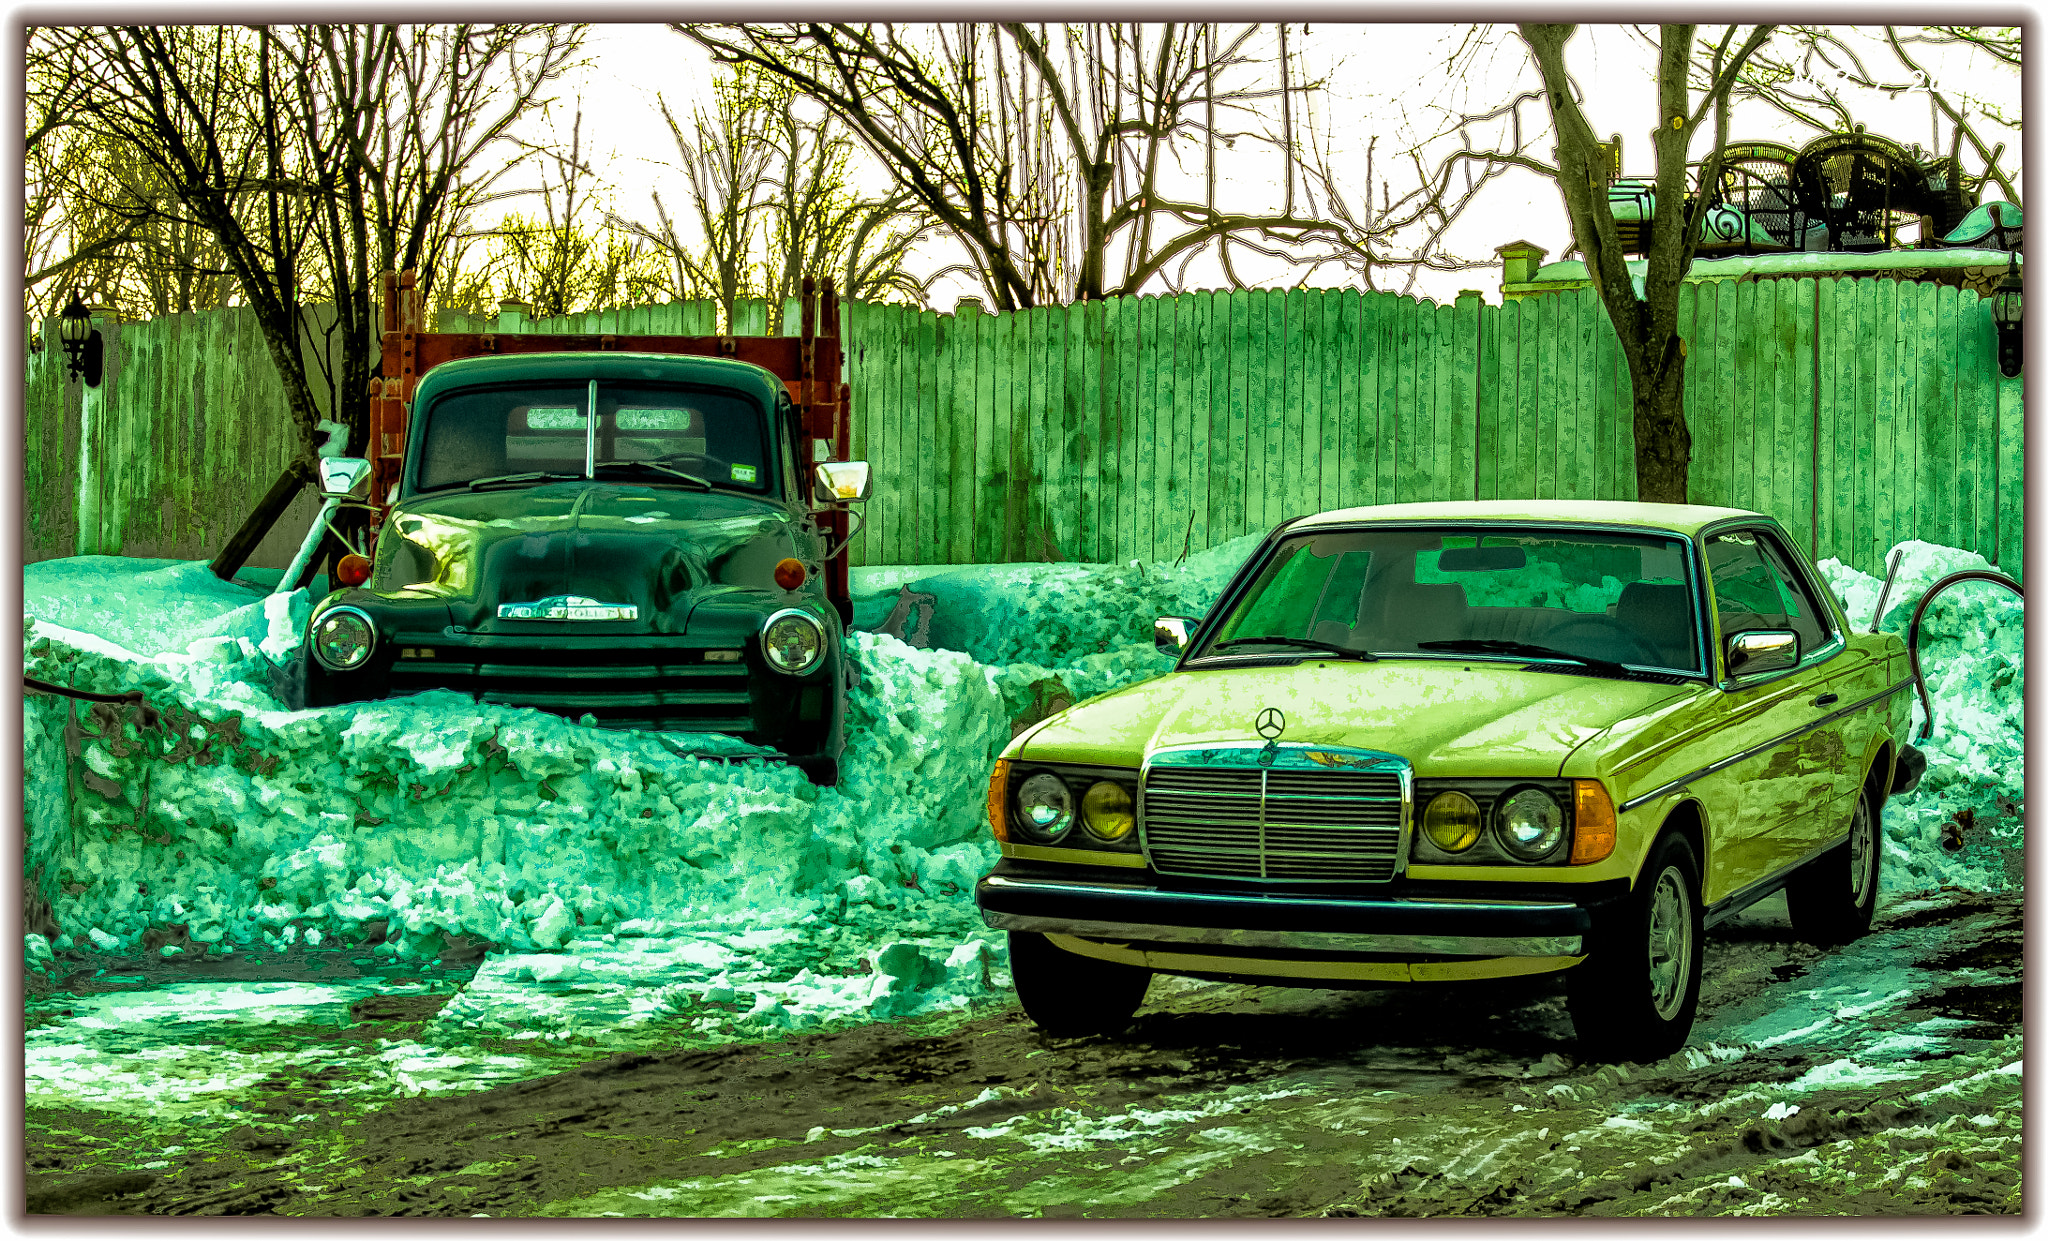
(1861, 186)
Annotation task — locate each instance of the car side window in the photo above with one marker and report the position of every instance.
(1804, 614)
(1753, 589)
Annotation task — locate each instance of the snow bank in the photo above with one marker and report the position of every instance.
(751, 898)
(1973, 653)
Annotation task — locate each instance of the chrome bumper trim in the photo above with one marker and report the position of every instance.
(1319, 941)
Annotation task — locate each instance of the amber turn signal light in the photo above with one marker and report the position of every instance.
(1593, 829)
(789, 573)
(998, 793)
(352, 570)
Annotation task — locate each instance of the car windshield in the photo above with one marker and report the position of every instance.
(718, 435)
(1596, 597)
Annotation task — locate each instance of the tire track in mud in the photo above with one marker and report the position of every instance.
(1223, 1101)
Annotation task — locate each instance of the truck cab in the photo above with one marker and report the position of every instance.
(624, 536)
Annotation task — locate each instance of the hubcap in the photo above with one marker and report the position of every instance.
(1862, 853)
(1670, 943)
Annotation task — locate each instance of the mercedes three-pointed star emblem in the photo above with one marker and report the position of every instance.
(1271, 722)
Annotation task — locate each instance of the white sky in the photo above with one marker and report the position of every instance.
(1387, 80)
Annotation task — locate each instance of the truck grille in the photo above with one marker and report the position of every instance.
(621, 687)
(1258, 823)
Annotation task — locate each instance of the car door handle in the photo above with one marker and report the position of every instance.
(1827, 700)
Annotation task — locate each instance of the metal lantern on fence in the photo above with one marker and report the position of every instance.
(83, 348)
(2006, 314)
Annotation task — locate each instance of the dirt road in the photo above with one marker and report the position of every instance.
(1878, 1079)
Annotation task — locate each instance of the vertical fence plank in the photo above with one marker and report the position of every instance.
(1074, 528)
(1977, 445)
(1940, 473)
(1191, 418)
(933, 446)
(1094, 434)
(1229, 480)
(1389, 364)
(1131, 389)
(2011, 427)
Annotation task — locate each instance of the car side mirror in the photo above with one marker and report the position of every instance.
(1761, 650)
(842, 482)
(1170, 633)
(341, 475)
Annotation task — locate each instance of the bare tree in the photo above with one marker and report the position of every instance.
(772, 201)
(315, 156)
(1051, 152)
(1646, 323)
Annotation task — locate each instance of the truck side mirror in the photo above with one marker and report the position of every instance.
(842, 481)
(341, 475)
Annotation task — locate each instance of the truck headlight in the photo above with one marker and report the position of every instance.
(1045, 806)
(1106, 811)
(1530, 824)
(793, 641)
(343, 638)
(1451, 822)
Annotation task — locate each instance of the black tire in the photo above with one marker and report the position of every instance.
(1833, 898)
(1068, 995)
(1635, 995)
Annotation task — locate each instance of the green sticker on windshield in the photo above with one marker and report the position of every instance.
(743, 473)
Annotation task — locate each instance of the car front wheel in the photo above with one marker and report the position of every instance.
(1833, 898)
(1635, 995)
(1068, 995)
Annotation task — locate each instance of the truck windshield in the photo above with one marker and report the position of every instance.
(716, 434)
(1595, 597)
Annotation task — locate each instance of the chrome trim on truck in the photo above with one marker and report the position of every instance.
(1320, 941)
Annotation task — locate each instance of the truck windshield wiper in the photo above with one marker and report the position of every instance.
(531, 476)
(1312, 643)
(698, 480)
(1503, 646)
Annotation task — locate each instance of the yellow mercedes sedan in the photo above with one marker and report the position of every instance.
(1419, 743)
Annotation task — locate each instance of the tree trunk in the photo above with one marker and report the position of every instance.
(1663, 441)
(267, 511)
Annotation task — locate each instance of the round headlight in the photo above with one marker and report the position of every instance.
(793, 640)
(1045, 806)
(1106, 811)
(1451, 822)
(343, 638)
(1531, 824)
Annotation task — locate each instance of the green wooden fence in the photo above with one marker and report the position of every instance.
(1858, 412)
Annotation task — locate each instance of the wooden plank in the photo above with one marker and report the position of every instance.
(933, 446)
(1735, 460)
(1528, 395)
(1074, 527)
(1193, 347)
(1830, 481)
(1098, 471)
(1013, 406)
(1165, 493)
(988, 502)
(1298, 433)
(1234, 488)
(1217, 479)
(1543, 408)
(860, 438)
(2010, 476)
(1864, 311)
(1134, 432)
(946, 446)
(1396, 343)
(1796, 441)
(1326, 378)
(1889, 513)
(1976, 403)
(1464, 317)
(1940, 479)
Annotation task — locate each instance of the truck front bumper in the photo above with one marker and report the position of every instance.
(1393, 925)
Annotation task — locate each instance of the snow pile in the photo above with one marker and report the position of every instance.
(748, 896)
(1973, 654)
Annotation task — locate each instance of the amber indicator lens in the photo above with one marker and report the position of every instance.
(352, 570)
(1451, 822)
(1593, 827)
(999, 793)
(789, 574)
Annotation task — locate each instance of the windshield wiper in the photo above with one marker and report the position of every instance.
(700, 481)
(532, 476)
(1312, 643)
(1503, 646)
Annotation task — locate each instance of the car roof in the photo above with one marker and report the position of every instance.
(1677, 518)
(517, 368)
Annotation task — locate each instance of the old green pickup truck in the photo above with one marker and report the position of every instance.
(636, 537)
(1420, 743)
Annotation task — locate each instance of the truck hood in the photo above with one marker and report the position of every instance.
(1447, 717)
(668, 552)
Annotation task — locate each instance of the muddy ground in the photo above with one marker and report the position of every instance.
(1879, 1079)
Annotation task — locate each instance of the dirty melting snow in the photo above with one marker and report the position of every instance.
(619, 881)
(619, 877)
